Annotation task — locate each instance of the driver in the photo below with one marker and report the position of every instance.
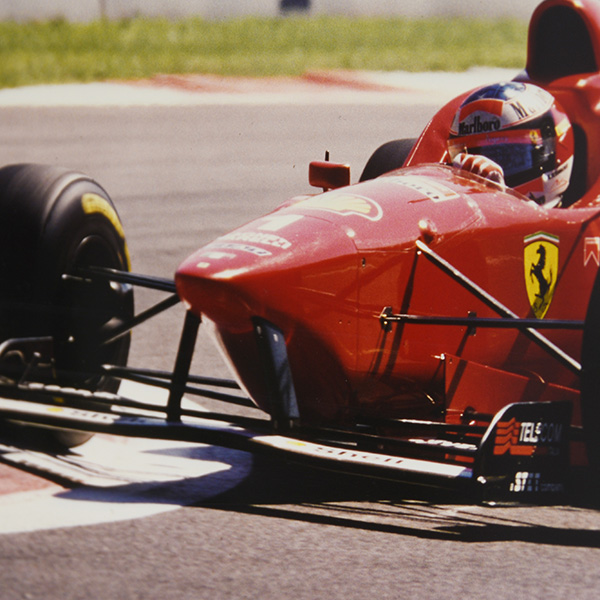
(515, 134)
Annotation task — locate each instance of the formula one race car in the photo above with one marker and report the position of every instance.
(425, 324)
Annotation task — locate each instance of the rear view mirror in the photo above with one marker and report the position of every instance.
(328, 175)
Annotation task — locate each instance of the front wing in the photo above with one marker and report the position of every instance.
(522, 455)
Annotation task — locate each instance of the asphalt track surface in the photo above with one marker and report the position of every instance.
(197, 522)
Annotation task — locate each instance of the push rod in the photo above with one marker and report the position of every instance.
(498, 307)
(147, 281)
(475, 322)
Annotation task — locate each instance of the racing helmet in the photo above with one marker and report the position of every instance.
(523, 129)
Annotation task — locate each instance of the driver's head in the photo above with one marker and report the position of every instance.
(522, 128)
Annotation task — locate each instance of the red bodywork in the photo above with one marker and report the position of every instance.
(322, 268)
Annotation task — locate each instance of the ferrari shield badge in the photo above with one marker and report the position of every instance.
(541, 268)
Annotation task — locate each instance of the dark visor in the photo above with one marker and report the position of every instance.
(520, 162)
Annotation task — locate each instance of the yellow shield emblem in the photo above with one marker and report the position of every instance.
(541, 269)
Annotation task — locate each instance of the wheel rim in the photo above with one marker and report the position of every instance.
(86, 310)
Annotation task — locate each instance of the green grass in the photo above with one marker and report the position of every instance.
(57, 51)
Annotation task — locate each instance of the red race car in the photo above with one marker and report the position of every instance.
(437, 322)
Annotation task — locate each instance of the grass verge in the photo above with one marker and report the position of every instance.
(59, 52)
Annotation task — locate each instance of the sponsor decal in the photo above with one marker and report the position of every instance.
(230, 273)
(95, 204)
(443, 444)
(340, 453)
(562, 127)
(344, 204)
(533, 102)
(242, 248)
(591, 251)
(560, 172)
(361, 457)
(521, 112)
(477, 125)
(92, 203)
(431, 190)
(259, 237)
(278, 222)
(86, 415)
(525, 438)
(535, 135)
(557, 181)
(526, 482)
(541, 268)
(365, 458)
(217, 255)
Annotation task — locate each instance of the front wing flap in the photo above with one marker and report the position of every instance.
(523, 454)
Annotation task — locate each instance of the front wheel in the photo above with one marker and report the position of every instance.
(53, 224)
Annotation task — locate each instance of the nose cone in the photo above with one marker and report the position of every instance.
(271, 264)
(297, 272)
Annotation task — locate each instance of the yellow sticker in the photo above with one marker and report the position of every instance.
(93, 203)
(344, 204)
(541, 269)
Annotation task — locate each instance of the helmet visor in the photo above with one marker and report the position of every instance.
(522, 154)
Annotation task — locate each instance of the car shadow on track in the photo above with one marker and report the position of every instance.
(288, 491)
(277, 489)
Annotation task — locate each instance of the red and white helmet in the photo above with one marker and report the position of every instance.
(522, 128)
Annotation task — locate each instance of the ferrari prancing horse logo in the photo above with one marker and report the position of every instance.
(541, 268)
